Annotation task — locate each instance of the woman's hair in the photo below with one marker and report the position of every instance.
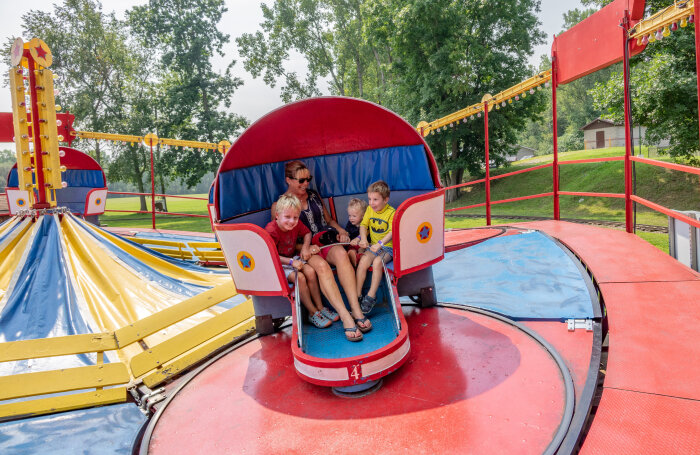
(287, 201)
(380, 187)
(358, 204)
(291, 168)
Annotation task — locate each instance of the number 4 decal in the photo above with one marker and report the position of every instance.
(356, 372)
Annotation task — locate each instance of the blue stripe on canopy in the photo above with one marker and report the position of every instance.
(74, 177)
(257, 187)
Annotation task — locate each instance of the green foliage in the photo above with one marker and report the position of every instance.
(191, 98)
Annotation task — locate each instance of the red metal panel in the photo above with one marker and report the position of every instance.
(7, 130)
(594, 43)
(654, 328)
(631, 423)
(471, 385)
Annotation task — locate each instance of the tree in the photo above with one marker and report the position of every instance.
(421, 58)
(183, 34)
(663, 91)
(329, 34)
(445, 55)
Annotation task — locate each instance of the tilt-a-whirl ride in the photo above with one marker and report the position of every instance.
(540, 337)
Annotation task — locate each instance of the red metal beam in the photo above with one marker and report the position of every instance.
(473, 182)
(675, 167)
(500, 176)
(555, 145)
(625, 25)
(594, 160)
(582, 193)
(522, 198)
(488, 182)
(466, 207)
(666, 211)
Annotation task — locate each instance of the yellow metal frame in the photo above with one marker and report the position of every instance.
(662, 19)
(153, 366)
(221, 147)
(506, 95)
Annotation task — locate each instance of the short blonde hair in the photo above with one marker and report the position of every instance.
(381, 187)
(287, 201)
(292, 167)
(357, 203)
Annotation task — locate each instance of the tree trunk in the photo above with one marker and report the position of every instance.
(98, 154)
(455, 176)
(139, 182)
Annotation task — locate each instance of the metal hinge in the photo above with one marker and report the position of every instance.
(145, 401)
(573, 324)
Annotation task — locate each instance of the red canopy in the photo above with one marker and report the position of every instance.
(321, 126)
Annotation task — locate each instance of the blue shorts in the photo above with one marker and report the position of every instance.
(387, 251)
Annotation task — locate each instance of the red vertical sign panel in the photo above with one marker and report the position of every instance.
(594, 43)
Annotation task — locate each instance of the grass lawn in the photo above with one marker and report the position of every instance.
(143, 220)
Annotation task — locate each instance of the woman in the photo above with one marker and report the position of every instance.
(315, 216)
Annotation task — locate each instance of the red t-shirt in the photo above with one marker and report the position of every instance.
(286, 241)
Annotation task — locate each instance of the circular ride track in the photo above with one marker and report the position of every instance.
(474, 382)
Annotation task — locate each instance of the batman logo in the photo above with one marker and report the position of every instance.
(378, 225)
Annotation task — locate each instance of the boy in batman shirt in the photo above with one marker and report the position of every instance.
(377, 220)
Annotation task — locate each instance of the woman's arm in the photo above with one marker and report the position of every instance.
(342, 233)
(273, 211)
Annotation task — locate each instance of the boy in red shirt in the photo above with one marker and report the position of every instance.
(285, 230)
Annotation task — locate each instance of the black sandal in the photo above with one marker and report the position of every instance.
(352, 330)
(363, 320)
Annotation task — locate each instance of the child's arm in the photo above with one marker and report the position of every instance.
(363, 236)
(377, 246)
(296, 263)
(307, 250)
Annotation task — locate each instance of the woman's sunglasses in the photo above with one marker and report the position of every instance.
(304, 179)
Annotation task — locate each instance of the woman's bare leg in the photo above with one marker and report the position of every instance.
(326, 280)
(346, 275)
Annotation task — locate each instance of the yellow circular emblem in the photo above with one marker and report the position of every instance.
(245, 261)
(98, 201)
(424, 232)
(40, 52)
(21, 202)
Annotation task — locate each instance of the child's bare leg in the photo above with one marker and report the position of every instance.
(352, 255)
(377, 272)
(312, 284)
(361, 274)
(303, 292)
(326, 281)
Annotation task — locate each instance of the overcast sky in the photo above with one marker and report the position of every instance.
(254, 98)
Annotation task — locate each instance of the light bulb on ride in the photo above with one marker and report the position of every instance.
(59, 123)
(532, 91)
(503, 104)
(64, 184)
(659, 35)
(645, 39)
(666, 32)
(684, 22)
(652, 37)
(61, 153)
(58, 107)
(674, 26)
(60, 138)
(691, 19)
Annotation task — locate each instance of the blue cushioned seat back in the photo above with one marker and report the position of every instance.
(395, 199)
(242, 191)
(73, 177)
(260, 218)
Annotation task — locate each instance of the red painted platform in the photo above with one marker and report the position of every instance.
(472, 384)
(652, 384)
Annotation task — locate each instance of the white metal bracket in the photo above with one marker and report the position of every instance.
(573, 324)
